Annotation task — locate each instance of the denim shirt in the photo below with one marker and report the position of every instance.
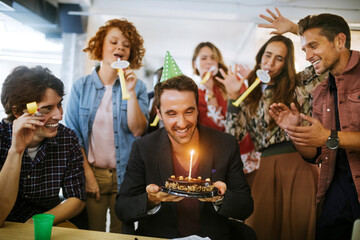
(85, 98)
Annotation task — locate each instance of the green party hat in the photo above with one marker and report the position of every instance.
(170, 68)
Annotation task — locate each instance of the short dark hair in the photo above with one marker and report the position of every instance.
(180, 83)
(24, 85)
(330, 26)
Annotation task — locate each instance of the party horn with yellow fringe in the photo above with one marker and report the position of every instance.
(262, 76)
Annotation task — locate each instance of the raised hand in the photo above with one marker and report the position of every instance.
(284, 116)
(279, 23)
(242, 71)
(24, 129)
(231, 82)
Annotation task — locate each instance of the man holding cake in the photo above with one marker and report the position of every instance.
(166, 152)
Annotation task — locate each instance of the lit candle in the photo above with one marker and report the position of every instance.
(191, 159)
(262, 76)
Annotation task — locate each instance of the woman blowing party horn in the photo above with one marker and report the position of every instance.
(285, 185)
(108, 110)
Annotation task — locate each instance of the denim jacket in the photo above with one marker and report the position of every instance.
(85, 97)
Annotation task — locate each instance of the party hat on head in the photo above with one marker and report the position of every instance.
(170, 68)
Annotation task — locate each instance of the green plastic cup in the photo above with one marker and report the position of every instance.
(42, 226)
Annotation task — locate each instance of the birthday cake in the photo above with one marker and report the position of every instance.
(195, 185)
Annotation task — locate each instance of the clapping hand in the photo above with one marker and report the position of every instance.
(284, 116)
(289, 120)
(314, 135)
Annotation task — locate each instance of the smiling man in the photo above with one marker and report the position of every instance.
(165, 152)
(333, 138)
(38, 155)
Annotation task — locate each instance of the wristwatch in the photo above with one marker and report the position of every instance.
(333, 141)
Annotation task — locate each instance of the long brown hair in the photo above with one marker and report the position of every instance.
(218, 58)
(284, 83)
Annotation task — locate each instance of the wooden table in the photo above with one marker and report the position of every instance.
(22, 231)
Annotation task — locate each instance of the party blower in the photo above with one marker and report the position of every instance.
(170, 69)
(32, 108)
(262, 76)
(120, 65)
(207, 76)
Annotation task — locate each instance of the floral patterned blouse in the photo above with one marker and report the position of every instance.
(239, 121)
(209, 115)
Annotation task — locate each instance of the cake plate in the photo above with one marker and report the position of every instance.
(179, 193)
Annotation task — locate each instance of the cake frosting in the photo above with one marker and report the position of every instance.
(196, 185)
